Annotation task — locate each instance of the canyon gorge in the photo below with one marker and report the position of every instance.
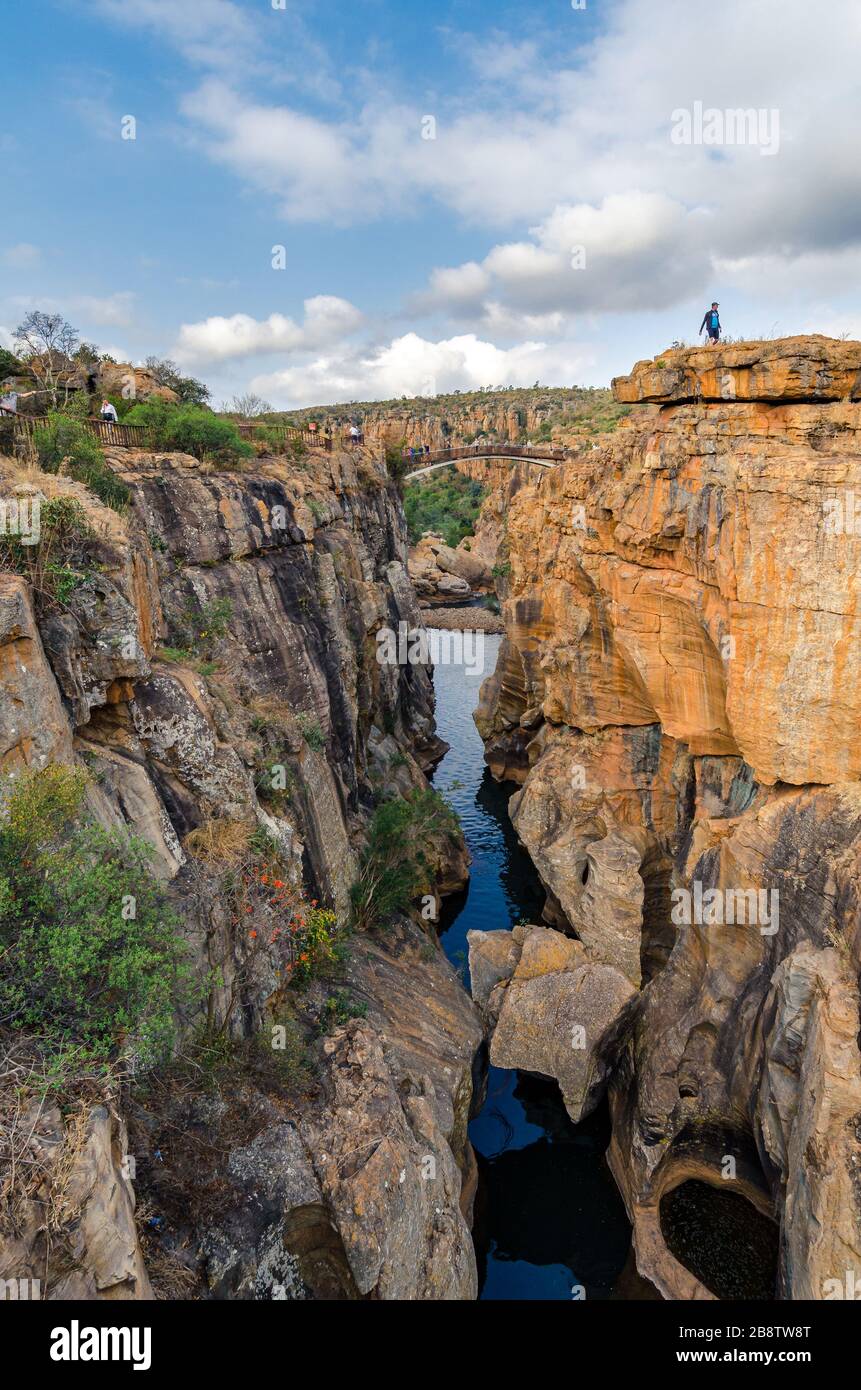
(672, 715)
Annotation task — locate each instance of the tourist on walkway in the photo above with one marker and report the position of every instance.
(109, 412)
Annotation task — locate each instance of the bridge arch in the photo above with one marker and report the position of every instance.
(442, 458)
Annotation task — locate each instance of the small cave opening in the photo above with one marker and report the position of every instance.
(722, 1238)
(584, 876)
(658, 935)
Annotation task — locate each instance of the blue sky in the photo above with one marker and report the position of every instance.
(557, 227)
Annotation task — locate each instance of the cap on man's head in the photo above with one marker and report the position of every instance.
(714, 304)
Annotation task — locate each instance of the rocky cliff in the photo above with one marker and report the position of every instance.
(559, 414)
(677, 696)
(225, 626)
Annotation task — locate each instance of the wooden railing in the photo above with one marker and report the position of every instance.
(106, 431)
(121, 436)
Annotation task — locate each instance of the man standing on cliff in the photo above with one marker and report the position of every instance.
(711, 322)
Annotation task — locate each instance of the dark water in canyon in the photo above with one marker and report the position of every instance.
(548, 1215)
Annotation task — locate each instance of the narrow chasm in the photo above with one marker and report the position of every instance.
(549, 1221)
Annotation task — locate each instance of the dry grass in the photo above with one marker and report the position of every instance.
(220, 843)
(64, 1204)
(171, 1279)
(27, 1167)
(17, 471)
(274, 712)
(108, 525)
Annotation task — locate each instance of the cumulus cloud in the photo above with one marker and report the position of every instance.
(327, 320)
(414, 366)
(633, 251)
(581, 138)
(562, 154)
(603, 124)
(316, 169)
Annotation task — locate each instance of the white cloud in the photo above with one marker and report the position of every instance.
(328, 319)
(209, 32)
(590, 140)
(113, 310)
(411, 366)
(634, 251)
(317, 170)
(574, 145)
(21, 256)
(254, 42)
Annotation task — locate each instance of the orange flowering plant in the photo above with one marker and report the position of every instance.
(296, 934)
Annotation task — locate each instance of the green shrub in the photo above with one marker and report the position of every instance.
(339, 1008)
(446, 503)
(189, 390)
(269, 772)
(202, 624)
(90, 961)
(397, 863)
(9, 364)
(65, 436)
(273, 439)
(312, 731)
(189, 430)
(63, 559)
(123, 404)
(396, 464)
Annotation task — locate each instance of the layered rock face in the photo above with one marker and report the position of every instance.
(289, 570)
(561, 414)
(677, 697)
